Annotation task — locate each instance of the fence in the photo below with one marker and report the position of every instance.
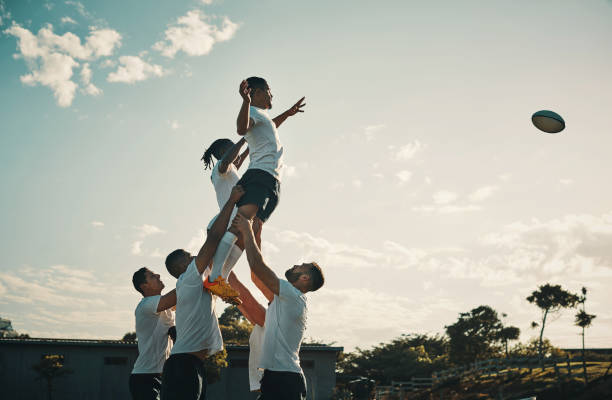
(498, 366)
(484, 368)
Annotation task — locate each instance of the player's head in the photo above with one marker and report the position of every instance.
(147, 282)
(261, 96)
(306, 277)
(217, 149)
(177, 262)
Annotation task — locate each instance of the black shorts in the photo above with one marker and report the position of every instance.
(184, 378)
(282, 385)
(261, 189)
(145, 386)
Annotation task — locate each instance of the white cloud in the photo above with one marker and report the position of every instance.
(148, 230)
(194, 35)
(137, 247)
(174, 125)
(404, 176)
(80, 8)
(444, 197)
(409, 150)
(371, 130)
(102, 42)
(56, 285)
(356, 183)
(483, 193)
(566, 181)
(207, 2)
(51, 58)
(446, 208)
(90, 88)
(134, 69)
(97, 224)
(67, 20)
(289, 171)
(4, 14)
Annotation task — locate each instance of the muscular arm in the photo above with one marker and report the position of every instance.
(217, 231)
(167, 301)
(296, 108)
(244, 121)
(279, 119)
(254, 257)
(250, 307)
(230, 156)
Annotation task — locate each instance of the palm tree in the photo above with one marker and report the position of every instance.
(550, 299)
(584, 320)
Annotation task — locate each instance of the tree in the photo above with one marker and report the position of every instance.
(584, 320)
(235, 329)
(508, 333)
(129, 337)
(550, 299)
(49, 368)
(474, 335)
(399, 360)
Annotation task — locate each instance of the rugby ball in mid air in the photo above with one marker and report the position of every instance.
(548, 121)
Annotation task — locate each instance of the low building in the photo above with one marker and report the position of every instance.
(101, 368)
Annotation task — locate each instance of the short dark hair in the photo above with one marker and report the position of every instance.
(215, 149)
(256, 82)
(139, 278)
(316, 276)
(172, 264)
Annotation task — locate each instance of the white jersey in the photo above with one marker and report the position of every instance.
(285, 325)
(223, 183)
(265, 149)
(197, 327)
(255, 349)
(154, 344)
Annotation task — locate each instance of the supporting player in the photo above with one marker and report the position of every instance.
(197, 327)
(154, 318)
(285, 322)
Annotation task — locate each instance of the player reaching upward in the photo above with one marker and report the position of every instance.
(261, 181)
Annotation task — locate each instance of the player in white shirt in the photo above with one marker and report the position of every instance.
(261, 181)
(224, 176)
(154, 318)
(197, 329)
(224, 173)
(285, 322)
(255, 313)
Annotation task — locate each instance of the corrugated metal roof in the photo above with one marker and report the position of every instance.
(121, 343)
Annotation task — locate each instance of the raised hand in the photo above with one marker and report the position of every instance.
(241, 223)
(245, 91)
(237, 192)
(297, 107)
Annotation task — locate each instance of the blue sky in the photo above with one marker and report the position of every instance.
(415, 177)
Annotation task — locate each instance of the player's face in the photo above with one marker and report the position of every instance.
(265, 97)
(294, 273)
(153, 281)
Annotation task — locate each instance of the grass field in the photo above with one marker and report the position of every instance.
(522, 383)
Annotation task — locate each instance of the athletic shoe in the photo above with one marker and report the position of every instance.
(222, 289)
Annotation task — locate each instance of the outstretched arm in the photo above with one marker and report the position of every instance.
(167, 301)
(230, 156)
(297, 108)
(254, 257)
(250, 308)
(244, 121)
(217, 231)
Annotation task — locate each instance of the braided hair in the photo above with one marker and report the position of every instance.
(216, 149)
